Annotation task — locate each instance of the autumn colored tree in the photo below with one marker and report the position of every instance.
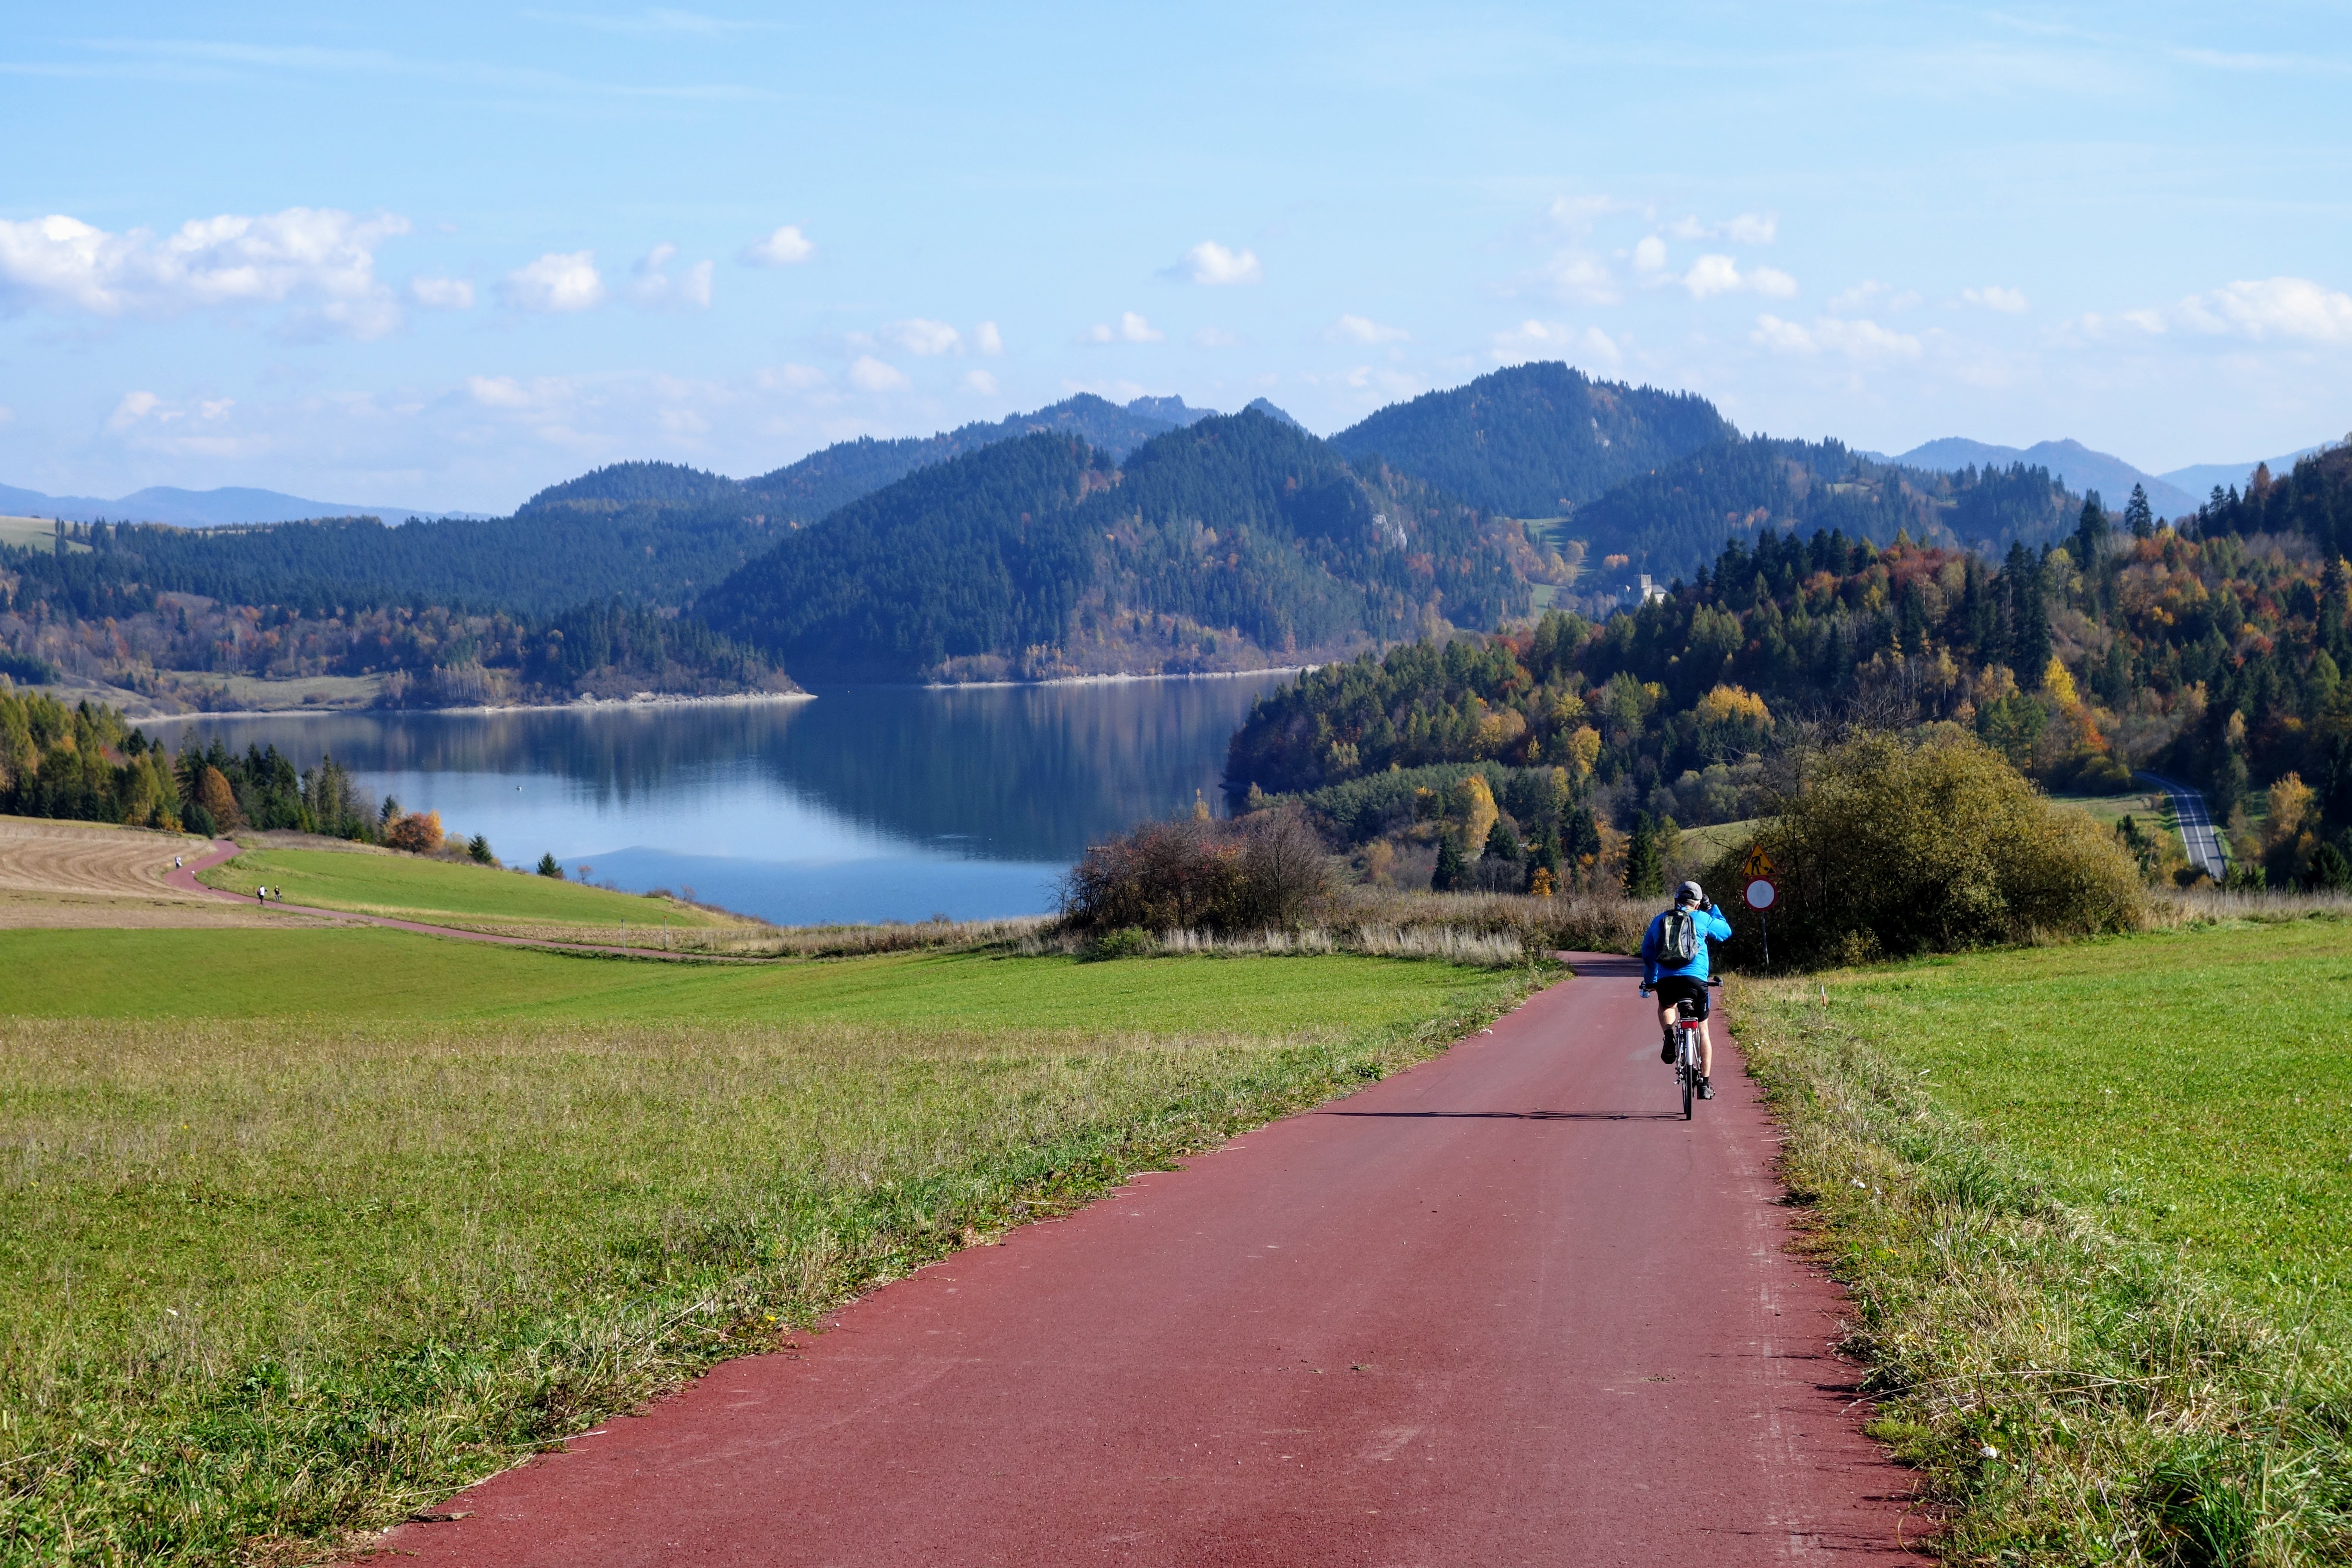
(218, 800)
(418, 833)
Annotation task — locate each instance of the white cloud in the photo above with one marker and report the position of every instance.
(988, 340)
(790, 377)
(1650, 254)
(319, 263)
(1711, 275)
(871, 374)
(557, 281)
(1578, 212)
(201, 428)
(1364, 329)
(782, 248)
(981, 381)
(2282, 309)
(1210, 263)
(6, 413)
(654, 289)
(497, 391)
(1532, 339)
(1215, 338)
(1578, 276)
(1856, 339)
(1747, 228)
(1131, 329)
(134, 407)
(442, 293)
(1853, 299)
(2008, 301)
(923, 339)
(2293, 308)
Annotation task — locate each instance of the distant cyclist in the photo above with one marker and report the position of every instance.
(1674, 964)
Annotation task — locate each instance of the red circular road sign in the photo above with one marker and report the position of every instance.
(1762, 893)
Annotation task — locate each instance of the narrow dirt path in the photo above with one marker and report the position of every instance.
(184, 878)
(1507, 1308)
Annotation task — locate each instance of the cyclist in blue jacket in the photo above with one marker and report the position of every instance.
(1678, 980)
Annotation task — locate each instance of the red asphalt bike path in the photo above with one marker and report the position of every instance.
(1506, 1308)
(184, 878)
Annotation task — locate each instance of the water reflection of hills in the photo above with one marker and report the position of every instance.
(1005, 773)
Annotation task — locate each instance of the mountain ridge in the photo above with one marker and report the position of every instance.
(2078, 466)
(225, 507)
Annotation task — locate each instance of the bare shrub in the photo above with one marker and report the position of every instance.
(1896, 846)
(1264, 872)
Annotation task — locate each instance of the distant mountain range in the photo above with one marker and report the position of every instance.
(2072, 463)
(1091, 537)
(2199, 478)
(2175, 493)
(198, 508)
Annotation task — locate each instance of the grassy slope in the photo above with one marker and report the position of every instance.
(2088, 1202)
(347, 1218)
(411, 888)
(21, 532)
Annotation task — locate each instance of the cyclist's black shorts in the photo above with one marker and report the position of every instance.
(1688, 988)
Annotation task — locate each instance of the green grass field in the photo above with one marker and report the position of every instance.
(2089, 1203)
(2194, 1086)
(410, 887)
(301, 1229)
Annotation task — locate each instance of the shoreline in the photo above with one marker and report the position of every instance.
(736, 699)
(1114, 680)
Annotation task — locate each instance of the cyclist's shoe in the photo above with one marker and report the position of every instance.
(1706, 1090)
(1666, 1051)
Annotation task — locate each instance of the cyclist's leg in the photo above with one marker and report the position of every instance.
(1706, 1050)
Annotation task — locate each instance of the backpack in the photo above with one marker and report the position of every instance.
(1677, 939)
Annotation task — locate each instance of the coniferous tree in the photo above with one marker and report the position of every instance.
(2090, 532)
(1452, 871)
(2029, 617)
(1645, 869)
(2138, 516)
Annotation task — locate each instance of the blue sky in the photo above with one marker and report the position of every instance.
(441, 256)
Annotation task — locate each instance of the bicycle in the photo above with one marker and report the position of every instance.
(1687, 1053)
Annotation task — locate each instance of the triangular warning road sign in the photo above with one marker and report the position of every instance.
(1759, 863)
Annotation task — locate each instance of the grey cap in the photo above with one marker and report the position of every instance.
(1690, 893)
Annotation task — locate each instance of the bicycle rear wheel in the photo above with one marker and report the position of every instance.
(1688, 1073)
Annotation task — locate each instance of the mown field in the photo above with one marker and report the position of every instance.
(2091, 1201)
(410, 887)
(301, 1229)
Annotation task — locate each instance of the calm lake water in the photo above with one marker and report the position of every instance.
(867, 804)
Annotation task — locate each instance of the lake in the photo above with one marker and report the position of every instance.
(864, 803)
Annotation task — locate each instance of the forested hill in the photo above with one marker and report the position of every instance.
(534, 562)
(823, 481)
(827, 480)
(1232, 543)
(1535, 440)
(1671, 522)
(2203, 652)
